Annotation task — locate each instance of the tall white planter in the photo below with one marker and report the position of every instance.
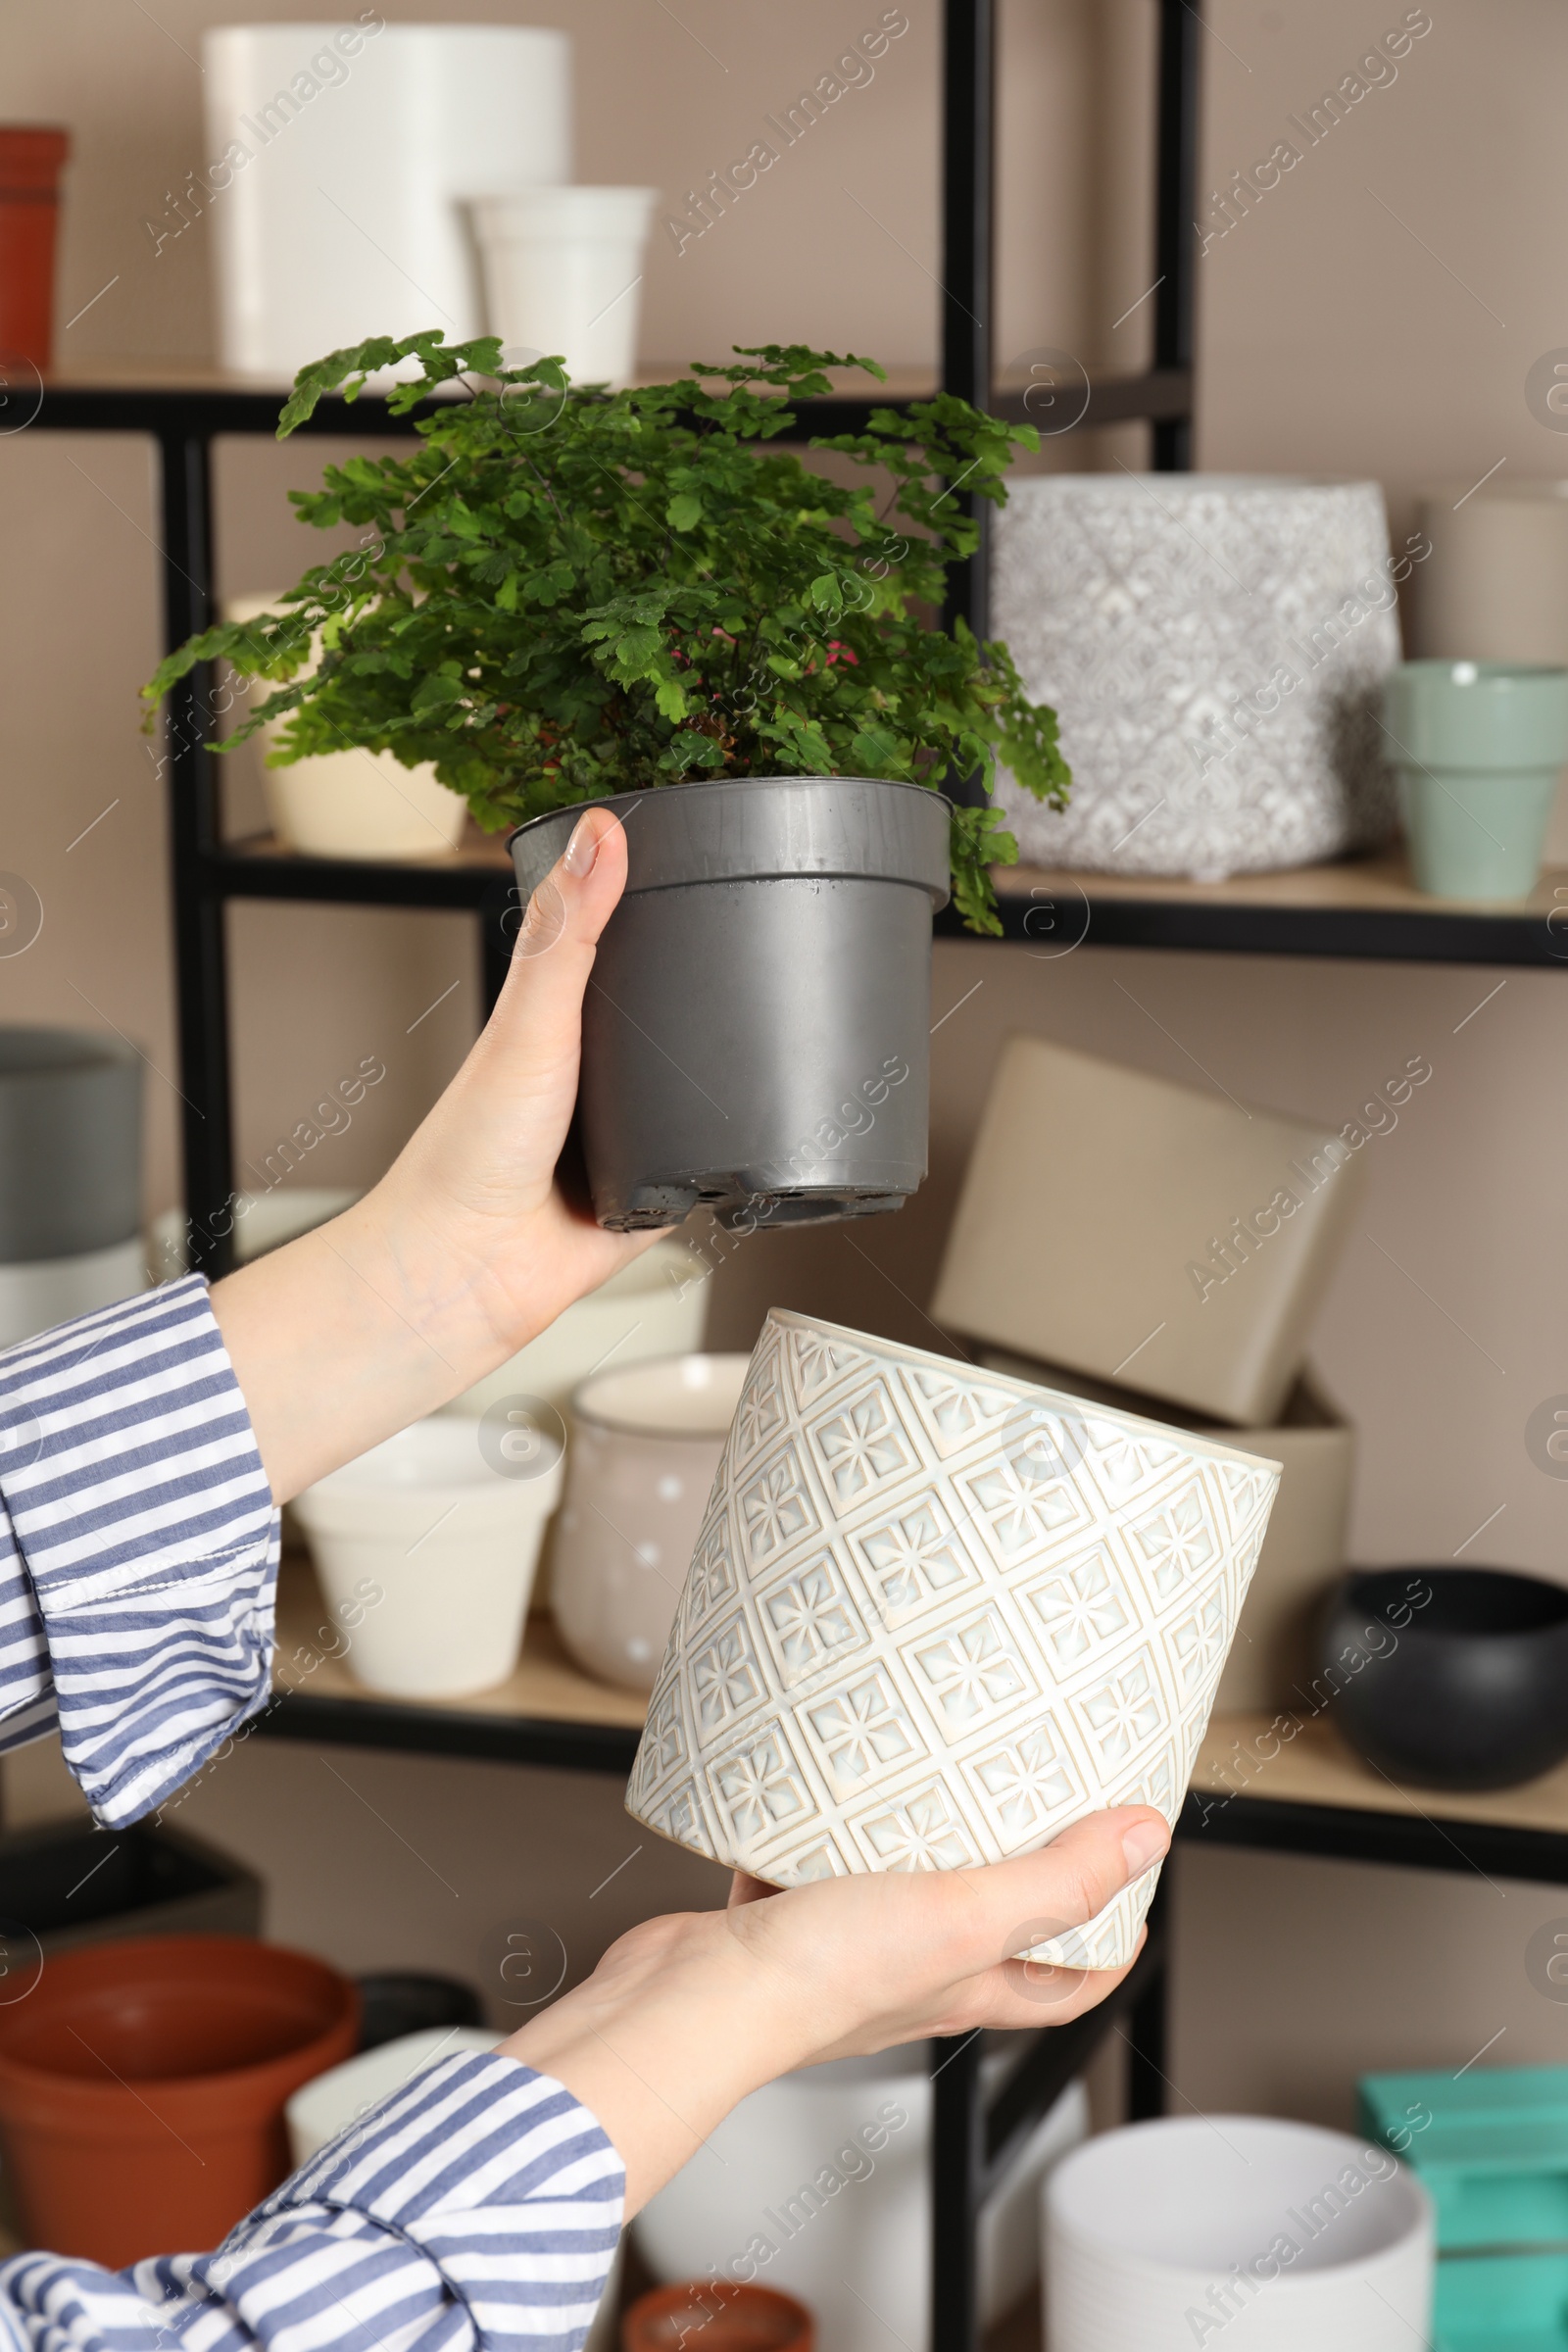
(337, 158)
(1214, 646)
(823, 2190)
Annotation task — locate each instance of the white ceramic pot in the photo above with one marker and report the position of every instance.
(564, 274)
(822, 2190)
(934, 1615)
(645, 1445)
(1263, 2235)
(426, 1555)
(1214, 646)
(338, 156)
(42, 1291)
(331, 2102)
(352, 802)
(657, 1306)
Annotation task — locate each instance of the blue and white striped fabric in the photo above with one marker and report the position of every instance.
(478, 2205)
(138, 1547)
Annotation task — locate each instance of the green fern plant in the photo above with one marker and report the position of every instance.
(563, 592)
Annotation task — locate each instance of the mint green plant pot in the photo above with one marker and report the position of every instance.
(1477, 748)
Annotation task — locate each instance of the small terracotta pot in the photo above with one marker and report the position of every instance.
(719, 2316)
(31, 156)
(142, 2088)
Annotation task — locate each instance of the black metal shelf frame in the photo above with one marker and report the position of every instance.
(970, 2146)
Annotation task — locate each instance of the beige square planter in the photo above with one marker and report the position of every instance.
(1275, 1654)
(1139, 1231)
(934, 1615)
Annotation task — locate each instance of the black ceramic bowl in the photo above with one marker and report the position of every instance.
(1453, 1677)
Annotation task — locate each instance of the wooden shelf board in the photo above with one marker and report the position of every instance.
(1244, 1756)
(1379, 884)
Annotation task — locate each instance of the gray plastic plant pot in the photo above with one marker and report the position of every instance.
(69, 1143)
(756, 1029)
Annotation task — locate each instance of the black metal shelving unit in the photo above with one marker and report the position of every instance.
(972, 2141)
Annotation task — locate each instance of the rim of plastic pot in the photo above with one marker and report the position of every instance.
(760, 829)
(37, 1052)
(51, 2099)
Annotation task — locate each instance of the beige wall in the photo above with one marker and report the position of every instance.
(1334, 339)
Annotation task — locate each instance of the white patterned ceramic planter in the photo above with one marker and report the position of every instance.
(935, 1615)
(1214, 647)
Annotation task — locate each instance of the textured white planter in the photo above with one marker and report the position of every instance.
(934, 1615)
(829, 2169)
(449, 1544)
(352, 804)
(564, 274)
(337, 215)
(1240, 2231)
(1214, 646)
(645, 1445)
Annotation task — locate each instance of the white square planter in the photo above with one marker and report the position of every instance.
(935, 1615)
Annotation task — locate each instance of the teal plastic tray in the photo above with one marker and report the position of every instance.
(1492, 2146)
(1502, 2303)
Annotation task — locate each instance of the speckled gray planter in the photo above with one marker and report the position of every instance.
(1214, 646)
(756, 1030)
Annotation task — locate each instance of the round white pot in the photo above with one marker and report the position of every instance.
(824, 2191)
(352, 802)
(646, 1443)
(426, 1555)
(1269, 2237)
(563, 273)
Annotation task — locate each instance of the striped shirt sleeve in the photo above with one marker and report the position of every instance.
(480, 2205)
(138, 1547)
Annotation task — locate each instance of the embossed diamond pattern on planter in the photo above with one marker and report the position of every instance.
(934, 1615)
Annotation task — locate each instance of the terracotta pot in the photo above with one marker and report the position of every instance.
(142, 2088)
(730, 2318)
(30, 160)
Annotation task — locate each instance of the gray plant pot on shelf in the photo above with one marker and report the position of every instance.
(756, 1029)
(69, 1176)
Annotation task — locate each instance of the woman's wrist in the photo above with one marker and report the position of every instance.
(676, 2024)
(354, 1331)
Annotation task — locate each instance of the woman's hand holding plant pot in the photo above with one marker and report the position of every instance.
(466, 1248)
(684, 2016)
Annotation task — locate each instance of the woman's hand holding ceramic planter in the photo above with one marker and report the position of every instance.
(686, 2014)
